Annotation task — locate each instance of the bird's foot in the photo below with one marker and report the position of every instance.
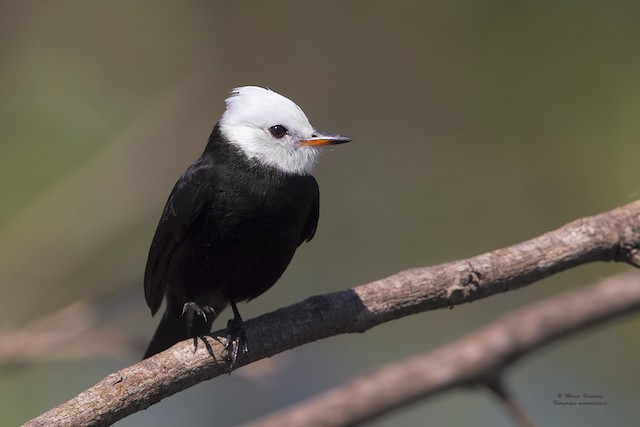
(191, 308)
(236, 338)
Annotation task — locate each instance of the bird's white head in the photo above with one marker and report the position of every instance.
(273, 130)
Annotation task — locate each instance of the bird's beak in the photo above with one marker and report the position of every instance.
(320, 138)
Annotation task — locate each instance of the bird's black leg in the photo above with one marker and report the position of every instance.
(236, 338)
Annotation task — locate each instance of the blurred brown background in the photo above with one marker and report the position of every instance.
(475, 125)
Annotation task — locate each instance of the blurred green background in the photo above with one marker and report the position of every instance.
(475, 125)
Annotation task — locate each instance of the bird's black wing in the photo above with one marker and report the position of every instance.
(186, 203)
(314, 213)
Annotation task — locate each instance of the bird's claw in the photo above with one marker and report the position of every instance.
(191, 308)
(236, 340)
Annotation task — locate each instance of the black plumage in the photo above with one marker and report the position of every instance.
(227, 233)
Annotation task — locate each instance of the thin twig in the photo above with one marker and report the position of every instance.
(517, 412)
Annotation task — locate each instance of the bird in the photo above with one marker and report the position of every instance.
(235, 217)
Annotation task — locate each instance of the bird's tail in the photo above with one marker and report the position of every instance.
(173, 329)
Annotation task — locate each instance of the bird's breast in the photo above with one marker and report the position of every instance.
(248, 237)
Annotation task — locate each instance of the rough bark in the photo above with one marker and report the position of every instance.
(477, 359)
(611, 236)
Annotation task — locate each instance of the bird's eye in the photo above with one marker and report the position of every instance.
(278, 131)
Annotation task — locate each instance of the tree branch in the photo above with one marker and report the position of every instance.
(611, 236)
(478, 358)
